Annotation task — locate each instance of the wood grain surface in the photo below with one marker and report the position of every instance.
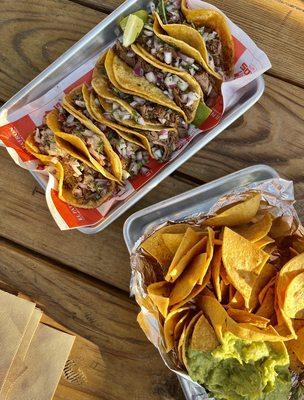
(82, 281)
(102, 315)
(103, 256)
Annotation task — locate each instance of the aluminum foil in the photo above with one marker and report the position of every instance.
(277, 198)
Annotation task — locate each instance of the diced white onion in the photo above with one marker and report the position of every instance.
(168, 57)
(150, 76)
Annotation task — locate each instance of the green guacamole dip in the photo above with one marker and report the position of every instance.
(241, 370)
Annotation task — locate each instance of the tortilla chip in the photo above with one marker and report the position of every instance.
(222, 323)
(291, 269)
(297, 345)
(180, 326)
(267, 273)
(155, 245)
(159, 293)
(170, 322)
(192, 245)
(243, 263)
(257, 230)
(224, 292)
(242, 213)
(265, 289)
(294, 297)
(209, 252)
(264, 242)
(215, 273)
(245, 316)
(203, 336)
(281, 227)
(172, 241)
(223, 274)
(236, 300)
(189, 278)
(196, 290)
(184, 342)
(266, 308)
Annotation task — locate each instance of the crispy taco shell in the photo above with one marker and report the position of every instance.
(54, 124)
(64, 194)
(138, 86)
(101, 83)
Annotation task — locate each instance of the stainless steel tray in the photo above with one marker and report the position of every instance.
(93, 43)
(195, 201)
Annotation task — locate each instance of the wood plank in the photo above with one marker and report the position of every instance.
(33, 33)
(105, 6)
(103, 316)
(25, 219)
(271, 132)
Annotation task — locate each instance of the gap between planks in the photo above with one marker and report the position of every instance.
(88, 279)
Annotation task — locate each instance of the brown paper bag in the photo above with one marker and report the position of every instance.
(43, 365)
(15, 314)
(17, 367)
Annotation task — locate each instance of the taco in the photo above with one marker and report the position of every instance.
(160, 143)
(205, 30)
(116, 106)
(79, 184)
(176, 55)
(152, 113)
(87, 138)
(135, 70)
(134, 158)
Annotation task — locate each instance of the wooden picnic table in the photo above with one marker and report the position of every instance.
(83, 281)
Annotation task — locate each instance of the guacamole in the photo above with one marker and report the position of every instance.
(241, 370)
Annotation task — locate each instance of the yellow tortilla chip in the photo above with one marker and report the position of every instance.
(265, 289)
(294, 297)
(209, 253)
(196, 290)
(243, 262)
(189, 278)
(170, 322)
(172, 241)
(215, 273)
(297, 345)
(203, 336)
(191, 245)
(267, 273)
(264, 242)
(281, 226)
(238, 214)
(291, 269)
(257, 230)
(159, 293)
(266, 308)
(236, 300)
(155, 245)
(245, 316)
(180, 326)
(183, 343)
(222, 323)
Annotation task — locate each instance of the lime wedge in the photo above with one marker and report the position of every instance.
(142, 14)
(162, 11)
(202, 113)
(132, 30)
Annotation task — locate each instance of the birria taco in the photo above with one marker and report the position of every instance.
(88, 139)
(178, 56)
(79, 184)
(134, 70)
(205, 30)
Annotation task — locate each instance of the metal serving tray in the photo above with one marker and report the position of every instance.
(94, 42)
(191, 203)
